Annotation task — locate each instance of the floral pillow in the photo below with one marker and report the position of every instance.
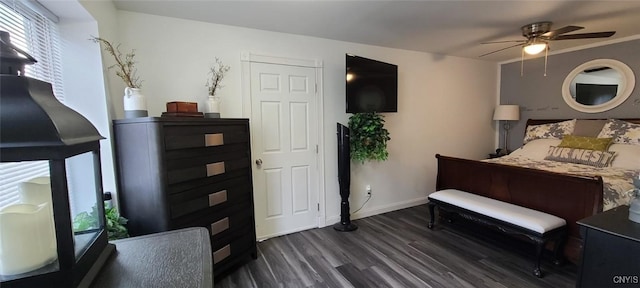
(549, 131)
(622, 132)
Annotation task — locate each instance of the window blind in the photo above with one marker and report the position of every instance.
(38, 36)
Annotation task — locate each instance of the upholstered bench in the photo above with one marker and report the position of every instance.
(537, 226)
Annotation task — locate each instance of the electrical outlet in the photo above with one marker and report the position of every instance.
(368, 190)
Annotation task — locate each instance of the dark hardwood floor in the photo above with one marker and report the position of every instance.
(396, 249)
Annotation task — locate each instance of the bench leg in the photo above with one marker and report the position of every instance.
(557, 250)
(432, 213)
(539, 249)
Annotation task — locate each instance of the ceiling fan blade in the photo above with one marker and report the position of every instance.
(505, 41)
(562, 30)
(585, 35)
(501, 49)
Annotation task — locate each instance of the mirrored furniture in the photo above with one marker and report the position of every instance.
(598, 85)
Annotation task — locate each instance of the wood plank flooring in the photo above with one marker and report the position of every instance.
(396, 249)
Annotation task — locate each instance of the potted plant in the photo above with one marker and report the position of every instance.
(216, 74)
(368, 137)
(115, 224)
(135, 104)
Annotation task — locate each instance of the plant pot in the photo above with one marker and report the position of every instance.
(135, 104)
(212, 107)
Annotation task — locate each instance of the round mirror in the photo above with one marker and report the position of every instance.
(598, 85)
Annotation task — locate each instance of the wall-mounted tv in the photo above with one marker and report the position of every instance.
(594, 94)
(372, 86)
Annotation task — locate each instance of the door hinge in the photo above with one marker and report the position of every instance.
(316, 149)
(318, 206)
(316, 85)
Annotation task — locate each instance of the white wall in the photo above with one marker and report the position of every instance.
(445, 103)
(83, 84)
(100, 21)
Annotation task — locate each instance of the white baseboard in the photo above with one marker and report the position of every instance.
(379, 210)
(265, 237)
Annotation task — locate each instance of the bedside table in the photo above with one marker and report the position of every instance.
(611, 250)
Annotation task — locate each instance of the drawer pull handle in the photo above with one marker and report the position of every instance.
(213, 139)
(215, 168)
(219, 226)
(221, 254)
(217, 198)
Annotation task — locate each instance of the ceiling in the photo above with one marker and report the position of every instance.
(443, 27)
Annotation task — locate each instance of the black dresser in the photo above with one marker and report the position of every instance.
(611, 252)
(187, 172)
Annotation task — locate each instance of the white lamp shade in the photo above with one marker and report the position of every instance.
(535, 48)
(507, 112)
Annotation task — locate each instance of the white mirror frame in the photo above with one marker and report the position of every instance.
(628, 82)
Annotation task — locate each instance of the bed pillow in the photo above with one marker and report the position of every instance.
(591, 143)
(588, 127)
(536, 149)
(628, 156)
(622, 132)
(549, 131)
(593, 158)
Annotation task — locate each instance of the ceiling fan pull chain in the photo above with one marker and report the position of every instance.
(546, 53)
(522, 63)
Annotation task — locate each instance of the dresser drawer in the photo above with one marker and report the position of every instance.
(228, 224)
(228, 251)
(240, 232)
(199, 183)
(204, 167)
(180, 137)
(181, 154)
(217, 196)
(224, 224)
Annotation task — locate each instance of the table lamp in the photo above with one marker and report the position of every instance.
(506, 113)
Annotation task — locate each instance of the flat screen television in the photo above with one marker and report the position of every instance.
(372, 86)
(594, 94)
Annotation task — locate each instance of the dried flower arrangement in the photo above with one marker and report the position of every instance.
(216, 74)
(126, 70)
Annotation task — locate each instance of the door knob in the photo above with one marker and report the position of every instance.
(259, 162)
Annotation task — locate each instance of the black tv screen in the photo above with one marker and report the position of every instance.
(594, 94)
(372, 86)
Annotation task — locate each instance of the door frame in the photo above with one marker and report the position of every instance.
(246, 58)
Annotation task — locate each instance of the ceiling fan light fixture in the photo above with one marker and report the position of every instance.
(535, 48)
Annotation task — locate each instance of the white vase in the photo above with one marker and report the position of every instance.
(212, 107)
(135, 104)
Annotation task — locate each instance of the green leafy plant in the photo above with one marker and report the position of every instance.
(368, 137)
(126, 69)
(115, 223)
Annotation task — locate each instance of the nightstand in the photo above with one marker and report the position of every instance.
(610, 254)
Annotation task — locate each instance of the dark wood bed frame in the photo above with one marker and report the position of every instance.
(567, 196)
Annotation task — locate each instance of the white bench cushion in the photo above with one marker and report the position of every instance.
(520, 216)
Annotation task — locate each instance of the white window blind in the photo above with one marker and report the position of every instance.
(38, 36)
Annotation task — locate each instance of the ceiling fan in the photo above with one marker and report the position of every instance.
(539, 34)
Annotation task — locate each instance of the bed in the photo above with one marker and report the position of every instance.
(567, 190)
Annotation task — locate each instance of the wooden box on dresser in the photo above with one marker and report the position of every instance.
(185, 172)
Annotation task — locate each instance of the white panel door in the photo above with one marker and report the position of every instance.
(284, 131)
